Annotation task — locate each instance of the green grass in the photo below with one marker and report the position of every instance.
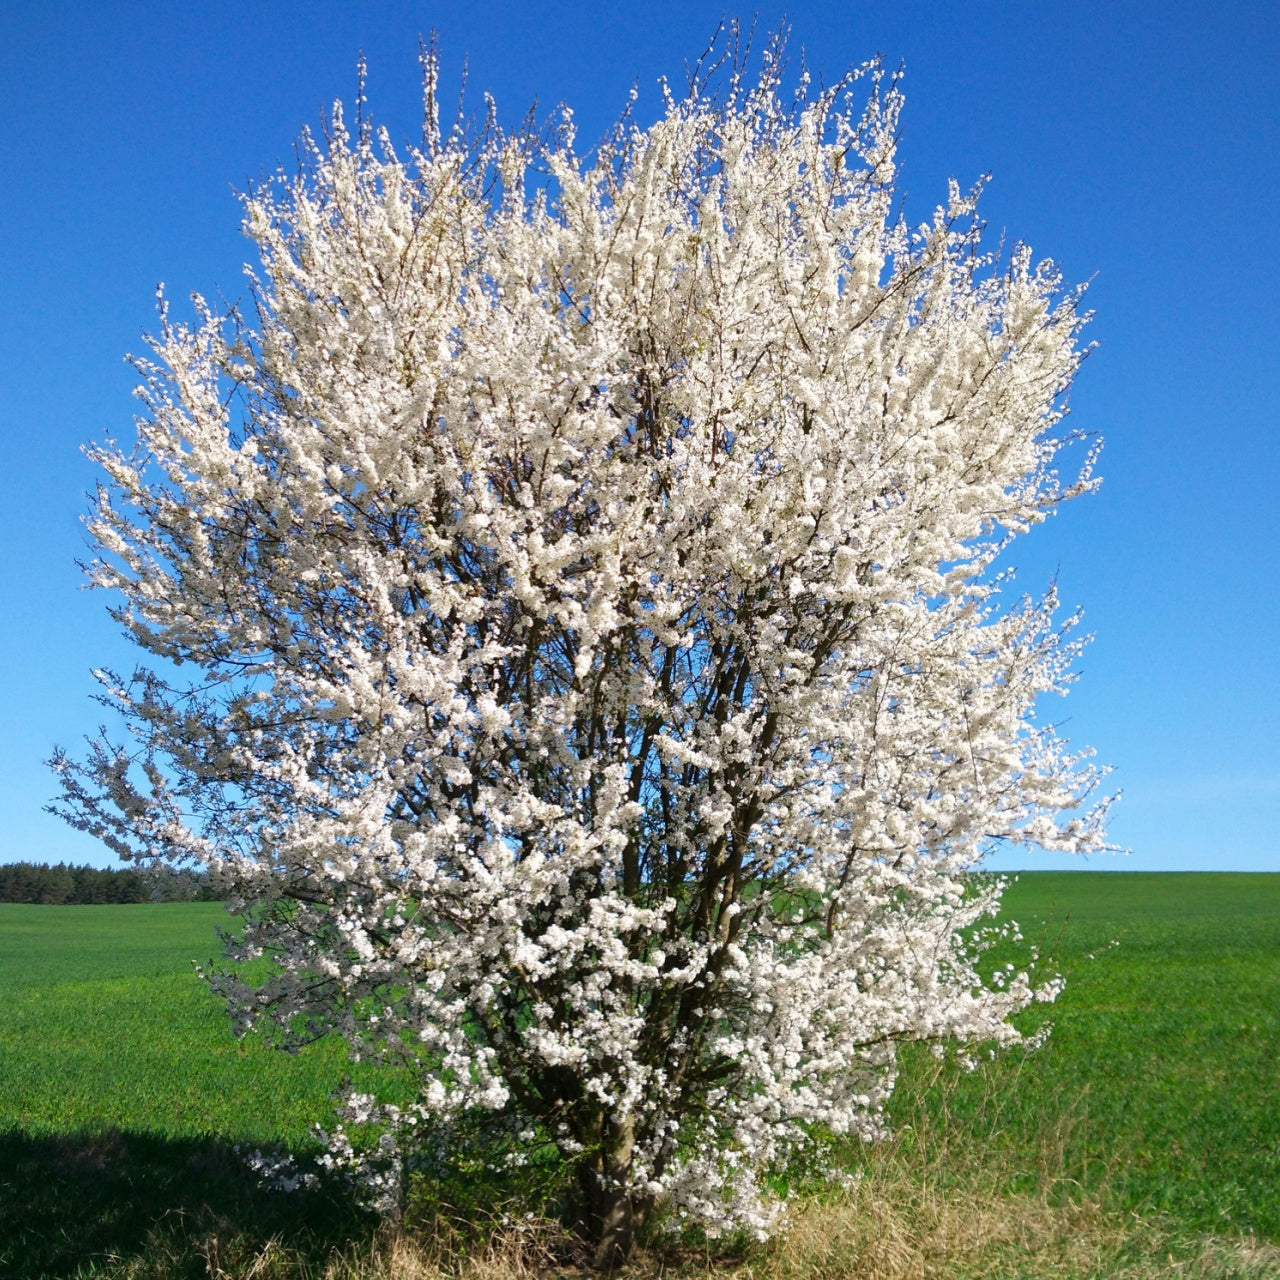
(123, 1093)
(104, 1024)
(122, 1089)
(1161, 1079)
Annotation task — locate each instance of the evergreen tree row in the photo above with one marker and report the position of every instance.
(39, 882)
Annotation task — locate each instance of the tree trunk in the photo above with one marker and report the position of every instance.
(614, 1213)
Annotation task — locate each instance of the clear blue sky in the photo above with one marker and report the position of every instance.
(1135, 143)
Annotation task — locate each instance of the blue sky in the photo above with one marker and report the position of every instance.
(1138, 144)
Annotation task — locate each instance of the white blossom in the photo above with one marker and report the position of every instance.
(601, 682)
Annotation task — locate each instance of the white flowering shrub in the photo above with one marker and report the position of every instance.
(575, 628)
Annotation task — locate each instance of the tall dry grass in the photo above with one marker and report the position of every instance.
(898, 1221)
(866, 1233)
(925, 1205)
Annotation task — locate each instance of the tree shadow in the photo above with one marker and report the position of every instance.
(73, 1204)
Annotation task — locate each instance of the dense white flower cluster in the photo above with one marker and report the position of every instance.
(601, 683)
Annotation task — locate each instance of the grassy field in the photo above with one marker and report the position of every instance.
(123, 1093)
(1162, 1074)
(1158, 1094)
(104, 1024)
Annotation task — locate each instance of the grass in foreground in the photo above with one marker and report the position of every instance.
(1161, 1079)
(901, 1221)
(1143, 1140)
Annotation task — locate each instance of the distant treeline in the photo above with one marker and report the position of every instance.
(38, 882)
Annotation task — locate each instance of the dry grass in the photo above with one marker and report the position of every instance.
(918, 1207)
(882, 1232)
(883, 1227)
(833, 1242)
(893, 1229)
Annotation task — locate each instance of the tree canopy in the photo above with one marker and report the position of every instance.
(601, 679)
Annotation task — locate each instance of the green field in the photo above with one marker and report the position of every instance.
(123, 1093)
(121, 1088)
(1161, 1079)
(104, 1024)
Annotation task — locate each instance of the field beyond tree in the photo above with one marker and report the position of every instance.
(122, 1091)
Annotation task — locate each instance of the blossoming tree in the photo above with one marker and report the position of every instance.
(599, 684)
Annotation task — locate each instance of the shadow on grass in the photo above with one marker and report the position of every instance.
(80, 1204)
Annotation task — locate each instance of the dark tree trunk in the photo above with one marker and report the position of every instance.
(612, 1214)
